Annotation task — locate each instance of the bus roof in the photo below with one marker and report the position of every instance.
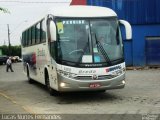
(82, 11)
(75, 11)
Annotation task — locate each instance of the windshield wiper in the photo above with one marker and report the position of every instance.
(100, 47)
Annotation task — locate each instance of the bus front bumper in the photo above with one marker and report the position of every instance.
(67, 84)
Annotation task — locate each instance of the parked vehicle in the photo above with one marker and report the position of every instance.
(16, 59)
(3, 59)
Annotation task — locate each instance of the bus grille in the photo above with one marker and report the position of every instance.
(100, 77)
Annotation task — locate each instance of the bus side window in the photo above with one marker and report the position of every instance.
(38, 33)
(23, 38)
(27, 38)
(43, 31)
(33, 35)
(30, 36)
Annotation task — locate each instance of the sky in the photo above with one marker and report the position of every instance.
(22, 12)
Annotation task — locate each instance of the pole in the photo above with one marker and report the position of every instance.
(9, 44)
(4, 42)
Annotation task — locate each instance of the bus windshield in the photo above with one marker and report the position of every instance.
(92, 40)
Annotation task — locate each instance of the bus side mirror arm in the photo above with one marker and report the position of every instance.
(128, 29)
(52, 31)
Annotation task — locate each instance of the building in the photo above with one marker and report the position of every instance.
(144, 16)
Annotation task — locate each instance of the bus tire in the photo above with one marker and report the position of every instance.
(51, 91)
(30, 80)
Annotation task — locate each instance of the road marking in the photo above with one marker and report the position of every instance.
(28, 110)
(9, 98)
(14, 102)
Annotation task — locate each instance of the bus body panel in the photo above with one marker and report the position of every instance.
(36, 69)
(77, 79)
(83, 85)
(82, 11)
(66, 78)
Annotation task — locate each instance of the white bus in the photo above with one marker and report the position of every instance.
(76, 48)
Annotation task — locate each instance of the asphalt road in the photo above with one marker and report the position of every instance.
(141, 96)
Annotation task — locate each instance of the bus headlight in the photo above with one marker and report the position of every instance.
(123, 82)
(62, 84)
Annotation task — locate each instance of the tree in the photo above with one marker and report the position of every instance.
(15, 50)
(4, 10)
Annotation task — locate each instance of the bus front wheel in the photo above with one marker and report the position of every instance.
(30, 80)
(51, 91)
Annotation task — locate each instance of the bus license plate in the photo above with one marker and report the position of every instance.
(94, 85)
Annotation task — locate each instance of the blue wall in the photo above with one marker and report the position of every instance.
(138, 43)
(134, 11)
(153, 51)
(144, 15)
(128, 52)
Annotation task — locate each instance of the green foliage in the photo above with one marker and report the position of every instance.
(0, 52)
(4, 49)
(4, 10)
(14, 50)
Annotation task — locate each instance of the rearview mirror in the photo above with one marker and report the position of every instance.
(52, 30)
(128, 29)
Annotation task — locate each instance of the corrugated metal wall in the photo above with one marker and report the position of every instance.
(134, 11)
(152, 52)
(140, 32)
(144, 15)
